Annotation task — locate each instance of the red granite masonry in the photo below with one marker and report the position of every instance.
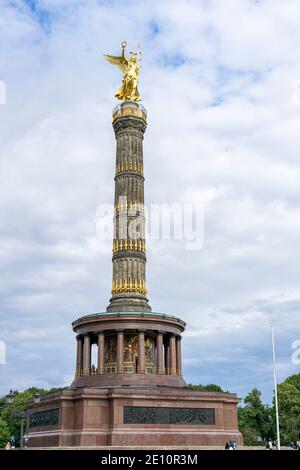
(94, 417)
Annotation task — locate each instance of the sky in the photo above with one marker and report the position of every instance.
(221, 85)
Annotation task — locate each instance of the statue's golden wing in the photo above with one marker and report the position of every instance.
(120, 61)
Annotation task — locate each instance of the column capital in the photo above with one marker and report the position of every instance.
(120, 330)
(178, 337)
(99, 332)
(160, 332)
(142, 330)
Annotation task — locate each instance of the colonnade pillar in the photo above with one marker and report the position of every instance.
(86, 355)
(120, 350)
(178, 355)
(160, 353)
(169, 359)
(172, 353)
(100, 352)
(141, 352)
(79, 355)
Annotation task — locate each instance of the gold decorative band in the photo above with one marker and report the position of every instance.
(130, 206)
(133, 111)
(134, 245)
(129, 166)
(129, 285)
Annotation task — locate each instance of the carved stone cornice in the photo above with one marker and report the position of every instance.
(129, 254)
(129, 123)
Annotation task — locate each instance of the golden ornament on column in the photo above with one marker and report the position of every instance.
(130, 68)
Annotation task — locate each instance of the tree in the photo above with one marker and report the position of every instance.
(19, 404)
(255, 419)
(207, 388)
(4, 433)
(289, 409)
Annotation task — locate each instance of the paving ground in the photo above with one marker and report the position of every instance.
(184, 448)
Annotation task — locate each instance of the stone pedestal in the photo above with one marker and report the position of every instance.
(126, 416)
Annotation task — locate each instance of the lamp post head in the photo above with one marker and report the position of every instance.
(36, 398)
(10, 398)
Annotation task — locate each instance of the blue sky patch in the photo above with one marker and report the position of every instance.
(44, 17)
(173, 61)
(154, 28)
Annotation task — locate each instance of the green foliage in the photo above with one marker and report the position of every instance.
(19, 404)
(250, 435)
(255, 419)
(207, 388)
(289, 409)
(4, 433)
(258, 420)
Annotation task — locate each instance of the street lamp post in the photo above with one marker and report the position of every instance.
(22, 414)
(275, 388)
(10, 398)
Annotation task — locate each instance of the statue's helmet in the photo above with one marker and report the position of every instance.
(133, 56)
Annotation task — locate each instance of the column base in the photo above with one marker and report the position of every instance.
(128, 303)
(133, 379)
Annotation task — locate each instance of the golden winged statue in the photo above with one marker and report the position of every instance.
(130, 68)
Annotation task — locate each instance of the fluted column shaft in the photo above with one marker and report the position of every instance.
(172, 352)
(79, 355)
(129, 249)
(100, 352)
(160, 353)
(86, 355)
(141, 352)
(120, 350)
(167, 358)
(178, 355)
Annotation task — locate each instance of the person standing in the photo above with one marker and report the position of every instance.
(26, 439)
(269, 445)
(12, 441)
